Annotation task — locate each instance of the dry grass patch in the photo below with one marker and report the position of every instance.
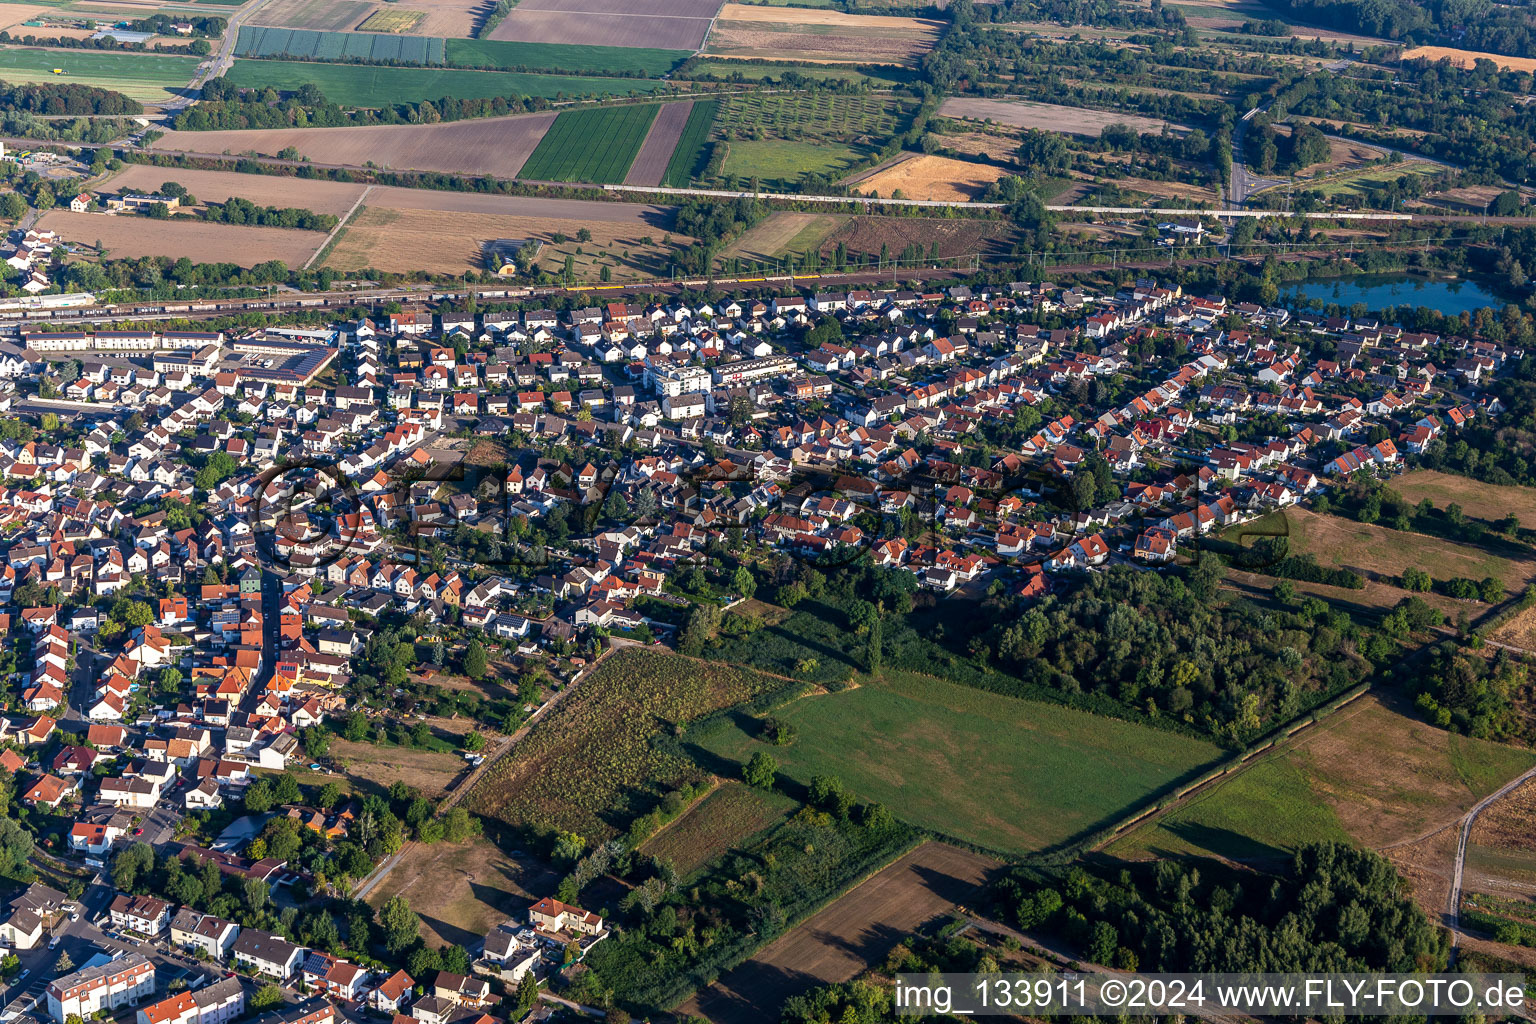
(398, 20)
(782, 231)
(438, 241)
(380, 766)
(932, 177)
(1488, 502)
(463, 890)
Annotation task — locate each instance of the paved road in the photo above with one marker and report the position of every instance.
(1454, 907)
(215, 65)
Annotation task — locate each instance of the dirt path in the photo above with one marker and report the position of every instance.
(1453, 907)
(655, 154)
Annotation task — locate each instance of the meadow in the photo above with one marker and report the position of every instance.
(355, 85)
(740, 70)
(1369, 773)
(149, 78)
(808, 115)
(597, 144)
(691, 151)
(511, 55)
(590, 767)
(1010, 775)
(774, 161)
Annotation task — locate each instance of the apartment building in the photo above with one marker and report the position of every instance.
(125, 981)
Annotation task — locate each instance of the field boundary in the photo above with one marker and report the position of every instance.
(321, 253)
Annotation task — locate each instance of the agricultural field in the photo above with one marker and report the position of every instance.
(1332, 781)
(1050, 116)
(303, 44)
(497, 146)
(825, 37)
(1488, 502)
(654, 159)
(334, 197)
(865, 235)
(129, 236)
(397, 20)
(403, 230)
(930, 177)
(359, 85)
(726, 818)
(691, 152)
(510, 55)
(944, 757)
(314, 15)
(647, 24)
(844, 939)
(777, 162)
(463, 890)
(596, 144)
(148, 78)
(589, 766)
(1468, 58)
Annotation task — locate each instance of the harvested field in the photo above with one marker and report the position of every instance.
(1467, 58)
(497, 146)
(820, 36)
(202, 243)
(842, 940)
(264, 190)
(1507, 821)
(994, 144)
(726, 818)
(931, 177)
(658, 24)
(1050, 116)
(319, 15)
(463, 890)
(401, 230)
(650, 164)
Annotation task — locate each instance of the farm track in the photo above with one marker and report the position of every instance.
(1453, 907)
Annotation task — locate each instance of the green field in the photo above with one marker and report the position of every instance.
(1368, 774)
(508, 56)
(1010, 775)
(355, 85)
(692, 150)
(597, 144)
(808, 115)
(149, 78)
(303, 44)
(777, 161)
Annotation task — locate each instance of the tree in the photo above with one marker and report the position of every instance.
(474, 660)
(265, 998)
(258, 797)
(330, 795)
(65, 963)
(527, 994)
(474, 740)
(761, 770)
(400, 923)
(130, 866)
(287, 790)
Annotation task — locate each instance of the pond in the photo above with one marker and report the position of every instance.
(1378, 291)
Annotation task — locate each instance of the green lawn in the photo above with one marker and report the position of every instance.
(149, 78)
(1010, 775)
(596, 144)
(779, 162)
(356, 85)
(509, 55)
